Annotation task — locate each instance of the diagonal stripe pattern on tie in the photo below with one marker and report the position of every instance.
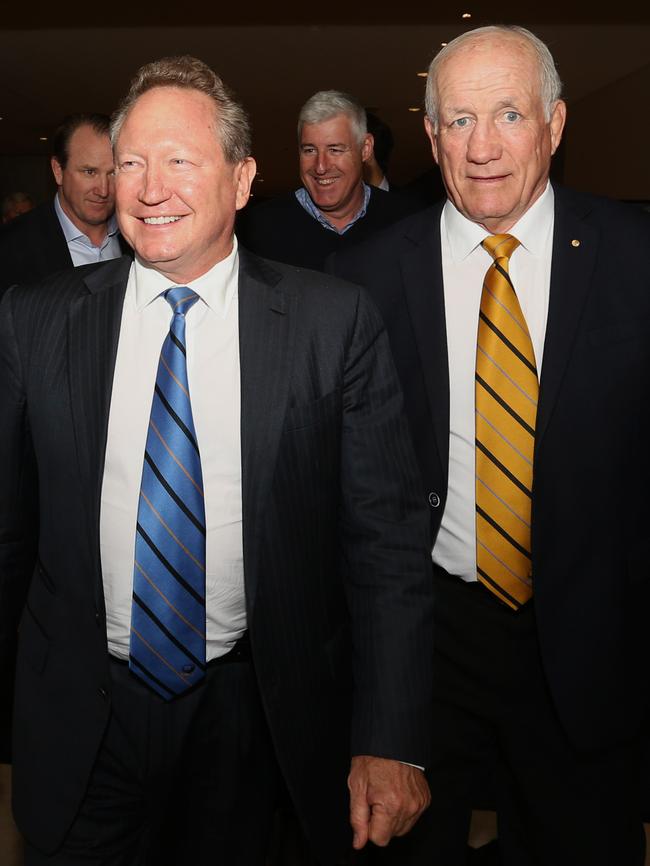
(167, 649)
(506, 391)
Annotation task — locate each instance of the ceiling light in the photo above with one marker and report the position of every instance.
(442, 44)
(414, 109)
(43, 138)
(419, 75)
(466, 15)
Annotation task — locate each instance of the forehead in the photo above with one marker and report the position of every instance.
(496, 67)
(87, 144)
(165, 113)
(335, 130)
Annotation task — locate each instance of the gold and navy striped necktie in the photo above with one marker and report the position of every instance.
(507, 389)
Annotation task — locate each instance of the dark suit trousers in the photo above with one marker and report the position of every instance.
(498, 737)
(185, 783)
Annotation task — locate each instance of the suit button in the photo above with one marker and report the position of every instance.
(98, 618)
(434, 500)
(102, 693)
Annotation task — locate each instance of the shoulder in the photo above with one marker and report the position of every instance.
(27, 228)
(318, 296)
(291, 278)
(621, 219)
(270, 211)
(384, 248)
(392, 203)
(30, 222)
(54, 293)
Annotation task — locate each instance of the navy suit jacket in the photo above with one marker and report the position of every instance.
(591, 507)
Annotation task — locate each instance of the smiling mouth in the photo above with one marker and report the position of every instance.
(160, 220)
(325, 181)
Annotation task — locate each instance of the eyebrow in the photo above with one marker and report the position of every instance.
(508, 102)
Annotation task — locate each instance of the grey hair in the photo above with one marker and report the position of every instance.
(327, 104)
(189, 73)
(550, 83)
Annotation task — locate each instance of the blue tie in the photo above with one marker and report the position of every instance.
(168, 610)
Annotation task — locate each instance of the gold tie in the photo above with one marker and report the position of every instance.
(506, 408)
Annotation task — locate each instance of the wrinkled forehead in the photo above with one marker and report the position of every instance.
(490, 61)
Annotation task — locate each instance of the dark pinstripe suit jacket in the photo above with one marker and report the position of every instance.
(337, 570)
(591, 508)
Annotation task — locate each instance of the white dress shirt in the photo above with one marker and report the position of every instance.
(464, 265)
(212, 337)
(82, 250)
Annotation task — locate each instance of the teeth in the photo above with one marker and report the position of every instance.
(159, 221)
(325, 181)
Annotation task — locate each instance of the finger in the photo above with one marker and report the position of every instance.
(382, 827)
(359, 818)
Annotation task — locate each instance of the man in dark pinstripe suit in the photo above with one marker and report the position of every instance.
(317, 574)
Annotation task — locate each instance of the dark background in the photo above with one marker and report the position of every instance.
(73, 57)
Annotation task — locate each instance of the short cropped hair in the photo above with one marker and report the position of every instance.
(190, 73)
(327, 104)
(69, 125)
(549, 79)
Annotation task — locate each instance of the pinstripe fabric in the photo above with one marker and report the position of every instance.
(168, 613)
(335, 534)
(506, 410)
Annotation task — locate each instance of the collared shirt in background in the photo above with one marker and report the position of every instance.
(82, 250)
(305, 200)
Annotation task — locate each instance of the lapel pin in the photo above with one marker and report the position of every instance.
(575, 243)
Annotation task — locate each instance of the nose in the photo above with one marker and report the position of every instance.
(484, 143)
(103, 185)
(153, 187)
(323, 162)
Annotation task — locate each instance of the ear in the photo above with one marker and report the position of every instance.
(556, 125)
(432, 136)
(245, 174)
(368, 146)
(57, 171)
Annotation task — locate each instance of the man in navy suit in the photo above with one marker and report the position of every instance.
(541, 676)
(78, 226)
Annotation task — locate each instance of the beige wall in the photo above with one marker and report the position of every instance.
(607, 149)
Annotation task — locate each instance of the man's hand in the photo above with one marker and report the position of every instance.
(386, 799)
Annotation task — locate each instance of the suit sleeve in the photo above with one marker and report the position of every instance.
(386, 553)
(17, 512)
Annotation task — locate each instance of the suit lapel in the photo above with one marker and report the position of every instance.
(574, 255)
(421, 267)
(93, 332)
(267, 323)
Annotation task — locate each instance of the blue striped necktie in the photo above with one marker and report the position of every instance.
(167, 648)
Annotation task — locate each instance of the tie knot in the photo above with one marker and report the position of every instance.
(180, 299)
(500, 246)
